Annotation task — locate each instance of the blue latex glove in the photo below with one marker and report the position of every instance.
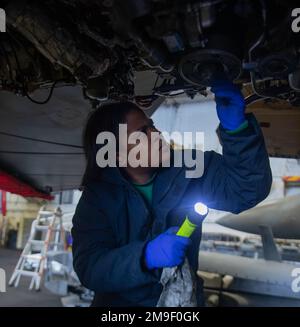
(230, 105)
(166, 250)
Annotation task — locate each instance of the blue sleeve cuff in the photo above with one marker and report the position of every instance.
(243, 126)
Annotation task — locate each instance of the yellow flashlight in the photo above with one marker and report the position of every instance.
(192, 221)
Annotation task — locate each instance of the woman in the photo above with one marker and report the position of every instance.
(124, 228)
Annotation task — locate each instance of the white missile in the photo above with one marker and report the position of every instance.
(283, 217)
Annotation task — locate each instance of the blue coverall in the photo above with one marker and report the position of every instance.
(112, 224)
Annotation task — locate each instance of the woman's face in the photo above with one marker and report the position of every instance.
(150, 145)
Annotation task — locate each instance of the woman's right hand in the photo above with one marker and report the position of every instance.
(166, 250)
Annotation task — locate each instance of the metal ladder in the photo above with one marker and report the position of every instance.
(46, 234)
